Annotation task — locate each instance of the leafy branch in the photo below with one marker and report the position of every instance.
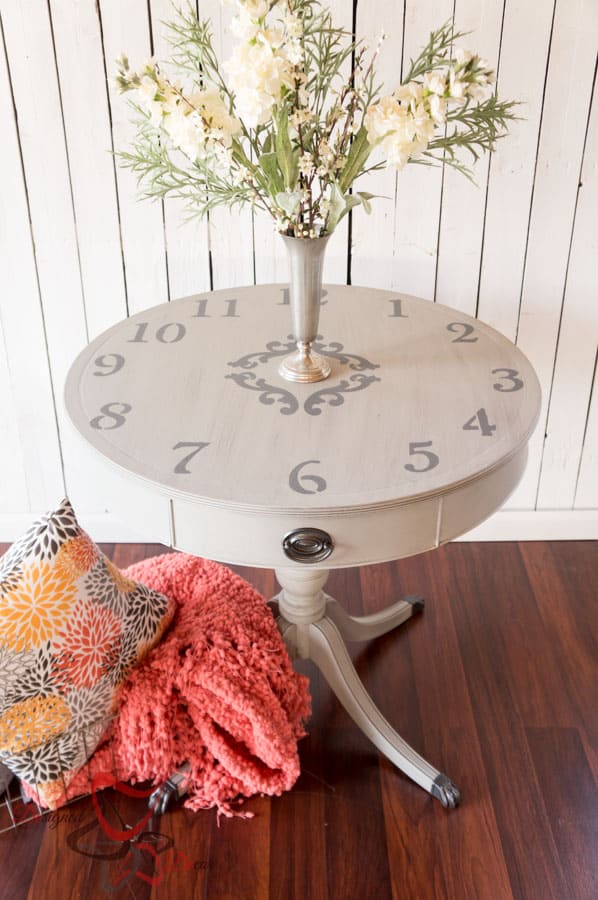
(435, 53)
(481, 127)
(298, 156)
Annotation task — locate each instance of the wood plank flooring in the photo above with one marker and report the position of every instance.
(495, 683)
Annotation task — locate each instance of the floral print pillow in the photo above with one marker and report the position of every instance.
(71, 628)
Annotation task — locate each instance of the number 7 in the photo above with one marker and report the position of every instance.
(181, 466)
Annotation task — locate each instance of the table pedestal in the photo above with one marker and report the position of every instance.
(314, 626)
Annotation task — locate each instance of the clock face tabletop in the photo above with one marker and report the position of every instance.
(187, 396)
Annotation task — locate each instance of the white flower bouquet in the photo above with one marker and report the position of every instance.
(296, 115)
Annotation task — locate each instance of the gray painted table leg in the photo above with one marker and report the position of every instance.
(364, 628)
(328, 651)
(309, 622)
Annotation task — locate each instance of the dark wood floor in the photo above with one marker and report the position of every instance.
(495, 684)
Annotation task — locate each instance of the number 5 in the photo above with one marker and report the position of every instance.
(416, 447)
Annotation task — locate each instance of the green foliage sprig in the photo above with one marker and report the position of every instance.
(296, 115)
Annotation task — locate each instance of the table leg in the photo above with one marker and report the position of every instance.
(364, 628)
(309, 622)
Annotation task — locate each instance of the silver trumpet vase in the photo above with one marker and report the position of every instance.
(306, 261)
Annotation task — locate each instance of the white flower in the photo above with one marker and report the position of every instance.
(149, 94)
(294, 52)
(257, 9)
(437, 108)
(186, 131)
(458, 89)
(424, 126)
(200, 126)
(293, 25)
(400, 124)
(463, 57)
(300, 117)
(243, 26)
(435, 83)
(469, 76)
(412, 92)
(216, 114)
(306, 164)
(257, 74)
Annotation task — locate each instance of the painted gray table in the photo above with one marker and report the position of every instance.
(419, 434)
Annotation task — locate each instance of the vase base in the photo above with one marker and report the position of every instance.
(304, 367)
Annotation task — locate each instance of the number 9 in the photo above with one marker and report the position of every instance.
(112, 367)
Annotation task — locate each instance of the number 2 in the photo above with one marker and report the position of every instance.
(463, 337)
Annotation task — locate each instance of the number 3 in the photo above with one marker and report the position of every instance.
(507, 375)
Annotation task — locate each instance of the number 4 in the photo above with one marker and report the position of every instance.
(480, 422)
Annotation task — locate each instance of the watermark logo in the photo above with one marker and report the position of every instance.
(128, 853)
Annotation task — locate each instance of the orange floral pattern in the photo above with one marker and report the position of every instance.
(89, 646)
(71, 627)
(32, 722)
(37, 607)
(77, 556)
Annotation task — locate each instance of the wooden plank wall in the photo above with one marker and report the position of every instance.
(78, 252)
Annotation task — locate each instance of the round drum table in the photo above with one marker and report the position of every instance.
(419, 433)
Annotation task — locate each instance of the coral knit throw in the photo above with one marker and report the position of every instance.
(218, 691)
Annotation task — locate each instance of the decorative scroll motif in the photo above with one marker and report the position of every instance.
(273, 348)
(279, 348)
(331, 395)
(336, 351)
(269, 393)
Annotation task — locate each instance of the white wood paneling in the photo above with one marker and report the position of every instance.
(186, 239)
(463, 203)
(78, 40)
(231, 233)
(78, 251)
(419, 187)
(337, 251)
(126, 28)
(523, 59)
(586, 496)
(373, 260)
(537, 525)
(578, 344)
(13, 489)
(29, 447)
(45, 162)
(566, 105)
